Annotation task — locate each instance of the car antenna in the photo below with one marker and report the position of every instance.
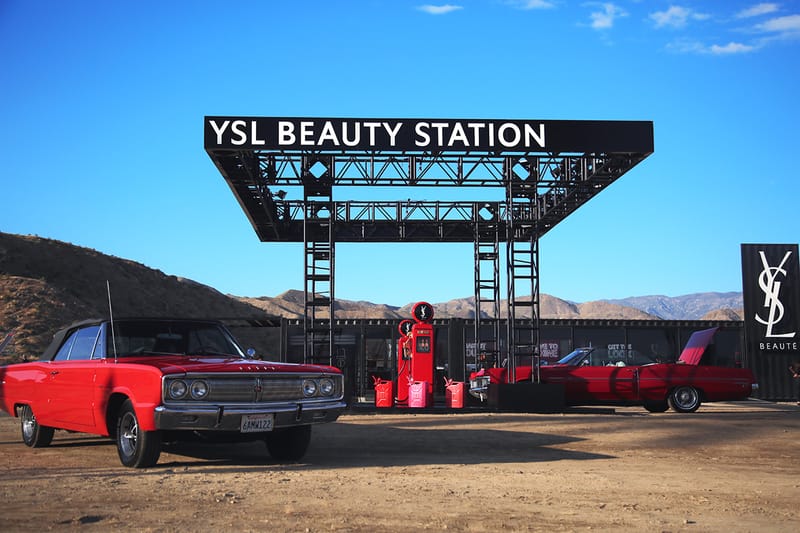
(111, 318)
(6, 341)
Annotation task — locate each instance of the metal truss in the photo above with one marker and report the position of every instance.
(320, 254)
(556, 184)
(541, 189)
(435, 169)
(487, 293)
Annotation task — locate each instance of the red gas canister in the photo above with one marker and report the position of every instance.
(384, 395)
(454, 393)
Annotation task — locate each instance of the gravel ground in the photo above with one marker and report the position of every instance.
(728, 467)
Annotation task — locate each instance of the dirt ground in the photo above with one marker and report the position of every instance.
(728, 467)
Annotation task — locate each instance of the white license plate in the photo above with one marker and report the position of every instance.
(256, 423)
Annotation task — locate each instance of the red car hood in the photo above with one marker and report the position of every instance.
(696, 346)
(176, 364)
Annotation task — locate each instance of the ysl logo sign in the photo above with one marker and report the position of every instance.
(769, 284)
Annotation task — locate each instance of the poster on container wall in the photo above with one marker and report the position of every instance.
(771, 291)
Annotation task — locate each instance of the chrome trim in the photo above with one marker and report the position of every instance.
(253, 388)
(479, 387)
(228, 418)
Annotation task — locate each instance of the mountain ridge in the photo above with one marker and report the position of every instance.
(46, 284)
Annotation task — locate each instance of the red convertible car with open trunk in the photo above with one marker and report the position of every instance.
(143, 382)
(589, 378)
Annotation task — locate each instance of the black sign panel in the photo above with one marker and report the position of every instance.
(415, 135)
(771, 283)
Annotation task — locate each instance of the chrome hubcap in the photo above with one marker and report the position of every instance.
(28, 423)
(686, 398)
(129, 433)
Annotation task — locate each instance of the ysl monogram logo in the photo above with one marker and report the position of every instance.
(767, 282)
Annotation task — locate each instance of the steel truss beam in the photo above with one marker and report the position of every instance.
(559, 183)
(541, 189)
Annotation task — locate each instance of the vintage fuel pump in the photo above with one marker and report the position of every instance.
(422, 353)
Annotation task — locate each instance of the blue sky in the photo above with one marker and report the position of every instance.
(103, 106)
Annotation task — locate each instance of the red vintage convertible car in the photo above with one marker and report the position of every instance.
(589, 379)
(147, 381)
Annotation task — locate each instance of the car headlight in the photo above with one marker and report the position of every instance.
(199, 389)
(309, 387)
(177, 389)
(326, 387)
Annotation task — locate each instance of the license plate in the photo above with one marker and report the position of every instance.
(256, 423)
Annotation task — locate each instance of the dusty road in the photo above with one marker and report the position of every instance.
(728, 467)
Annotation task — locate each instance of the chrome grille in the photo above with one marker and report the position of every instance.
(231, 389)
(281, 389)
(255, 388)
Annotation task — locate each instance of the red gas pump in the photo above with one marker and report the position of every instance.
(421, 341)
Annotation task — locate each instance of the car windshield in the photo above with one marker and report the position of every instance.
(158, 337)
(575, 357)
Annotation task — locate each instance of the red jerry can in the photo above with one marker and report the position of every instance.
(418, 394)
(453, 393)
(384, 395)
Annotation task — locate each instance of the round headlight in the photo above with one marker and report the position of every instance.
(199, 389)
(326, 387)
(309, 387)
(177, 389)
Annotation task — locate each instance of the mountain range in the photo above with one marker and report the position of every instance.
(46, 284)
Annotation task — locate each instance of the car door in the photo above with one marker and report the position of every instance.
(71, 383)
(597, 384)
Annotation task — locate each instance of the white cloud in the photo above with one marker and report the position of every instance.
(686, 46)
(730, 48)
(439, 10)
(784, 25)
(689, 46)
(603, 20)
(676, 17)
(536, 4)
(757, 10)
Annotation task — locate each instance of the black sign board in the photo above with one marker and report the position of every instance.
(417, 135)
(771, 284)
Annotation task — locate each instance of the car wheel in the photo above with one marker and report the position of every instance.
(33, 434)
(289, 444)
(136, 448)
(656, 407)
(684, 399)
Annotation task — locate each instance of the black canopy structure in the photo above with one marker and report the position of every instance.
(543, 170)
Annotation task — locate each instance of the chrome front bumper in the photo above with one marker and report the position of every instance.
(479, 387)
(228, 418)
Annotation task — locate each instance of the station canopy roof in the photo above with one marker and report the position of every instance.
(285, 171)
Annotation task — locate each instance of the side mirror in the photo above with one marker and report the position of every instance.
(251, 353)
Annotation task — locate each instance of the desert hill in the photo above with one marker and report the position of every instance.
(46, 284)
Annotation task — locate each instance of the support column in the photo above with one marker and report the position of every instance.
(487, 293)
(522, 265)
(319, 251)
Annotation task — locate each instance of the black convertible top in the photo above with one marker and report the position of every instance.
(60, 335)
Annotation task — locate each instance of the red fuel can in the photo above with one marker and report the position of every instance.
(384, 393)
(454, 394)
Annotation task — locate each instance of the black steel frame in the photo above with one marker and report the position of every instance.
(541, 189)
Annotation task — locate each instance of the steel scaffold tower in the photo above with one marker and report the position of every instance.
(540, 189)
(487, 291)
(320, 254)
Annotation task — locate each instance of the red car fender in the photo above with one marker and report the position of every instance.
(141, 384)
(20, 384)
